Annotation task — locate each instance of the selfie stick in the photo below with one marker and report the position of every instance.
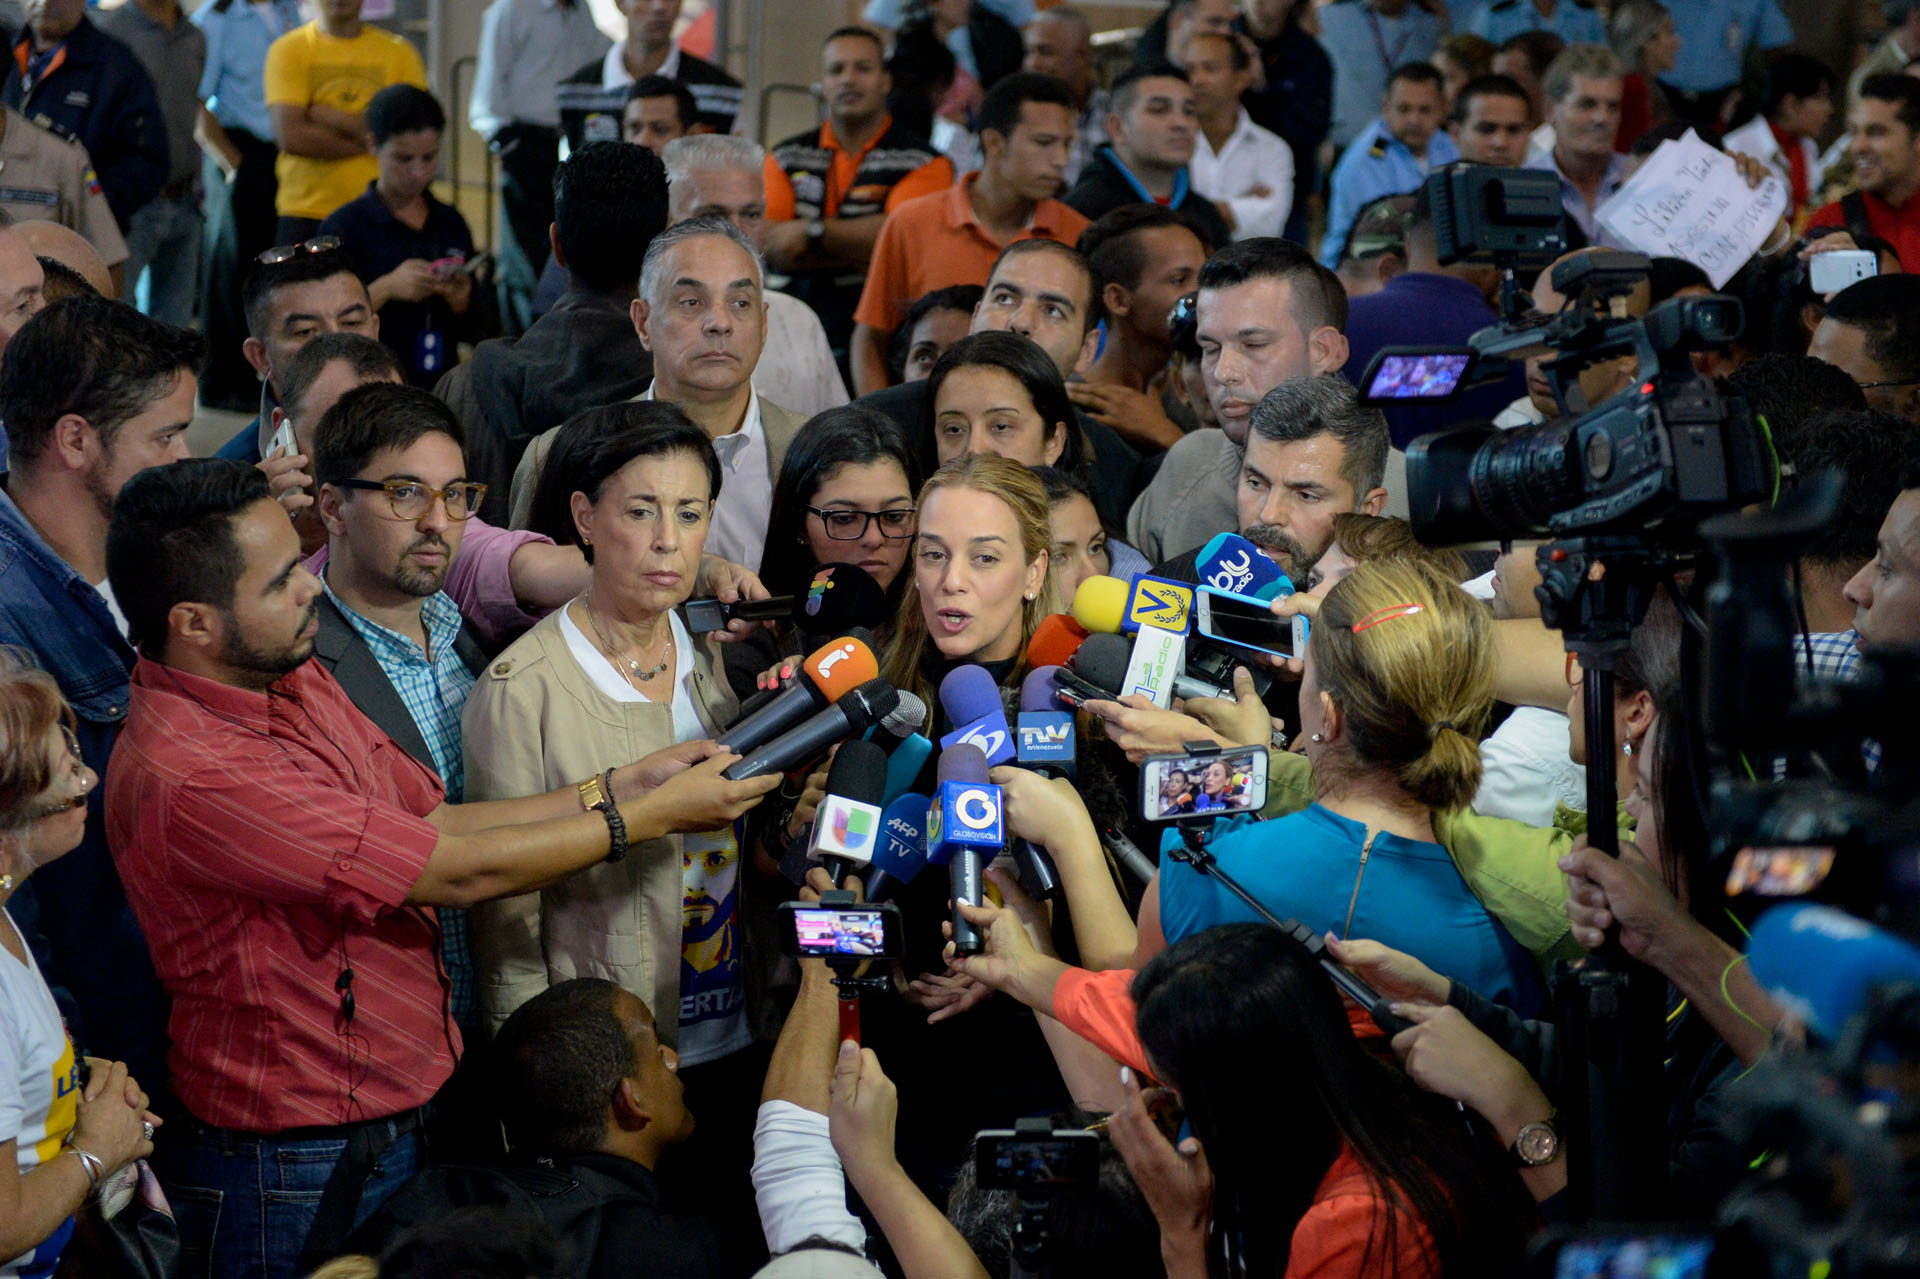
(846, 978)
(1194, 853)
(1032, 1229)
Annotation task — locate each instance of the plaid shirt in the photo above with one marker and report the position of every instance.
(1835, 654)
(433, 686)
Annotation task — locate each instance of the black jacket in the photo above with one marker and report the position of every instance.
(339, 648)
(1103, 187)
(606, 1209)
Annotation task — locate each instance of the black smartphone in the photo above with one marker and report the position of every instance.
(863, 930)
(1398, 374)
(1007, 1160)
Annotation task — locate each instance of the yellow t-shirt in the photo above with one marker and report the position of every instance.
(306, 67)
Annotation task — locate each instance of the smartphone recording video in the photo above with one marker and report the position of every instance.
(1175, 787)
(865, 930)
(1007, 1160)
(1399, 374)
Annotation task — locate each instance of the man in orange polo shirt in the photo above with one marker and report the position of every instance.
(829, 189)
(1885, 127)
(953, 237)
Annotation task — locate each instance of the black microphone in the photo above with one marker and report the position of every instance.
(1044, 745)
(847, 717)
(824, 675)
(846, 828)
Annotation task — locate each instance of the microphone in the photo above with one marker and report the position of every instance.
(1823, 963)
(972, 702)
(906, 747)
(1121, 608)
(902, 852)
(824, 676)
(846, 827)
(1156, 660)
(1231, 563)
(1046, 747)
(1054, 640)
(838, 597)
(1102, 662)
(847, 717)
(1128, 854)
(965, 830)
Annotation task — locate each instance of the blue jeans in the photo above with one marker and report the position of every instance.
(164, 241)
(245, 1203)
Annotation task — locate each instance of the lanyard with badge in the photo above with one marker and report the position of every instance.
(1389, 59)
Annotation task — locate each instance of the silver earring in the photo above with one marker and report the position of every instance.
(1627, 749)
(1317, 737)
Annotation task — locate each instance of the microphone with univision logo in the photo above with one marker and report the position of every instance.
(846, 827)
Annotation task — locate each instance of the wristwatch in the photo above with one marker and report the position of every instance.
(1536, 1144)
(816, 230)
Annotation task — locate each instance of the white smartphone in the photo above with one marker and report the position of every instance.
(1178, 786)
(1832, 272)
(282, 443)
(1245, 621)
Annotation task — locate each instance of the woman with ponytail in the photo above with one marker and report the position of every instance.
(1396, 693)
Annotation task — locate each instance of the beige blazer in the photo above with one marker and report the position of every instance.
(535, 722)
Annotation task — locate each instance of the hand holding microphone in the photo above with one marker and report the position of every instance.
(847, 825)
(965, 832)
(824, 676)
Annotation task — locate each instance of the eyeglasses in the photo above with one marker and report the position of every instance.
(411, 500)
(78, 769)
(287, 252)
(844, 525)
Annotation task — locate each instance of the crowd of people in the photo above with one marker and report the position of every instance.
(387, 892)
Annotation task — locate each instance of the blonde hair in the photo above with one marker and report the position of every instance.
(1408, 656)
(1026, 497)
(351, 1266)
(1366, 538)
(30, 708)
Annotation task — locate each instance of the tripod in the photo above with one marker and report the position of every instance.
(1594, 590)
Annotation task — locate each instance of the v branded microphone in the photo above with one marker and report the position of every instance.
(902, 853)
(1121, 608)
(824, 676)
(1046, 747)
(846, 827)
(1231, 563)
(972, 702)
(1054, 640)
(1823, 963)
(965, 831)
(847, 717)
(838, 597)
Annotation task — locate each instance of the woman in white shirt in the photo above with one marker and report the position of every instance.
(63, 1128)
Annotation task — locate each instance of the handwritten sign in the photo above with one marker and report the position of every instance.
(1689, 201)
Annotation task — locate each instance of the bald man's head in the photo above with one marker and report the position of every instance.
(51, 240)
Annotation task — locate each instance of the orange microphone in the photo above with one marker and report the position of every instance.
(1055, 640)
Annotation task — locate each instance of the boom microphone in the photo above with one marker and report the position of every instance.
(823, 677)
(846, 826)
(972, 702)
(847, 717)
(965, 831)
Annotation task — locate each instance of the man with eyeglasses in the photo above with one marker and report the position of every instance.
(1871, 332)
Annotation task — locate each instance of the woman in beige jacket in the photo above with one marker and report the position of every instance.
(612, 677)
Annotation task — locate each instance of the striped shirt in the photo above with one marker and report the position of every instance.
(268, 842)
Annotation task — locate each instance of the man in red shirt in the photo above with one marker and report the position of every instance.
(1885, 138)
(282, 855)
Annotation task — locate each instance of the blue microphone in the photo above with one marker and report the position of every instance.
(902, 852)
(966, 829)
(1046, 747)
(1231, 563)
(972, 702)
(1823, 963)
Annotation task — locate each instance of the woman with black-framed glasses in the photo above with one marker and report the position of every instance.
(844, 495)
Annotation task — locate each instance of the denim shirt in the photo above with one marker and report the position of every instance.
(89, 946)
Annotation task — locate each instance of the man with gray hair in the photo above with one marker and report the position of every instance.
(719, 175)
(702, 314)
(1584, 87)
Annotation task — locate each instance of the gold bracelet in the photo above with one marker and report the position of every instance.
(592, 794)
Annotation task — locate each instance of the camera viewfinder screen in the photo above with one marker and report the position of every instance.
(1626, 1257)
(1039, 1161)
(1230, 782)
(840, 932)
(1429, 376)
(1778, 872)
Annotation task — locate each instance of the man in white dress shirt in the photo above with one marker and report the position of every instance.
(1244, 169)
(723, 176)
